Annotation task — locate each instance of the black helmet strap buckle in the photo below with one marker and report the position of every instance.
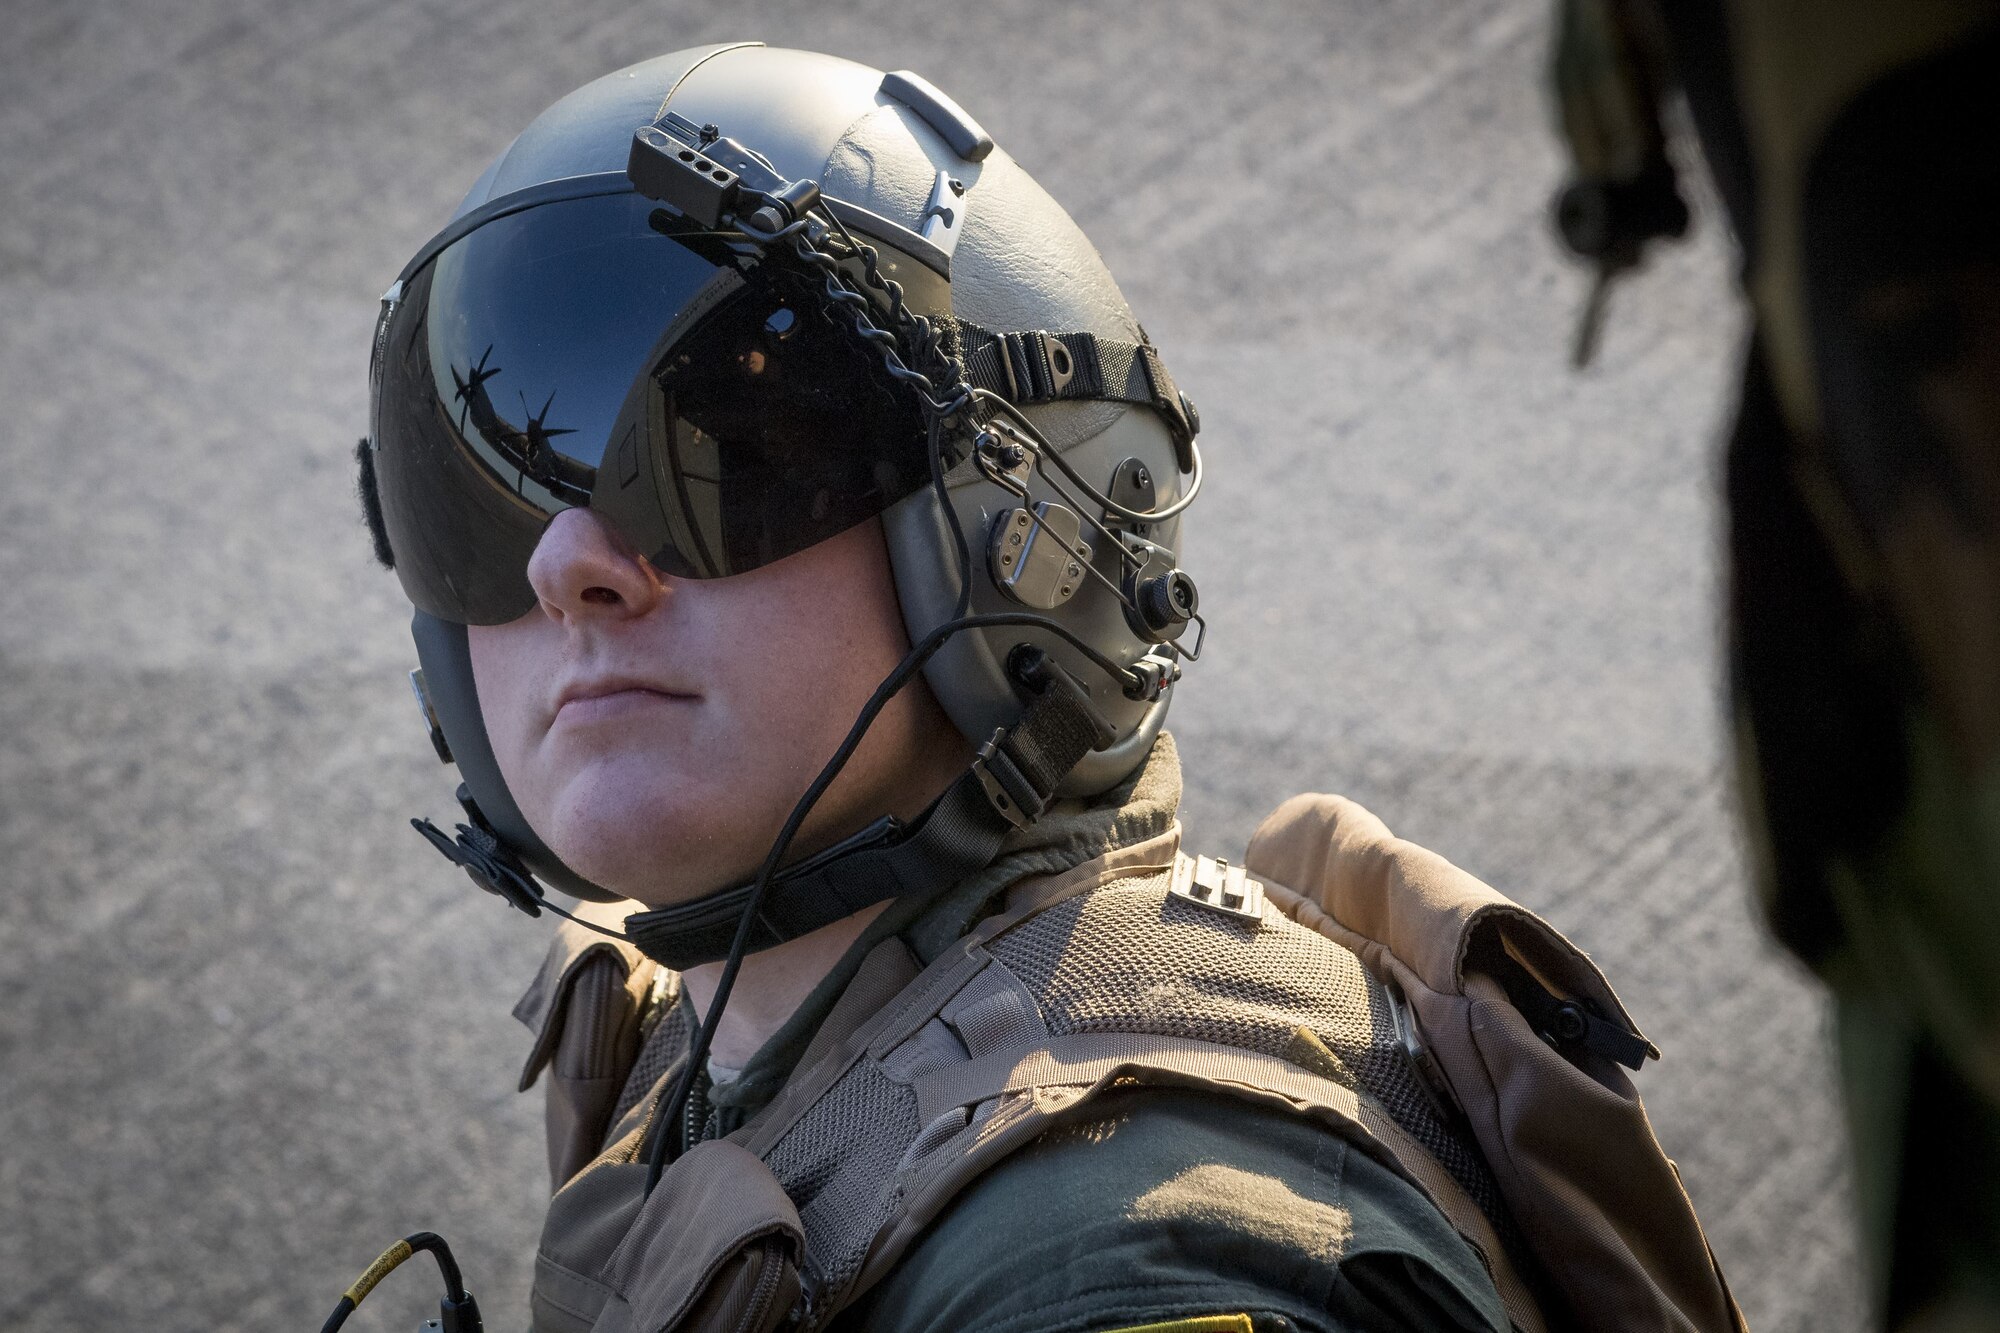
(486, 860)
(1037, 366)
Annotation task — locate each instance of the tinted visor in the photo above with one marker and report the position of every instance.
(712, 406)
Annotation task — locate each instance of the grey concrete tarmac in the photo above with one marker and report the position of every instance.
(252, 1029)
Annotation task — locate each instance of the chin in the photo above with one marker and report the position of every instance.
(657, 843)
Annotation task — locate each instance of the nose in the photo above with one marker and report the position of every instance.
(583, 570)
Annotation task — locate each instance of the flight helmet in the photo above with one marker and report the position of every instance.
(735, 300)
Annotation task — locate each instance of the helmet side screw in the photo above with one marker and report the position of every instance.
(1005, 454)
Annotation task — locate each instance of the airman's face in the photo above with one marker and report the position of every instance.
(656, 731)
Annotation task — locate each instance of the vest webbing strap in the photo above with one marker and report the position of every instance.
(1083, 1058)
(961, 832)
(1037, 366)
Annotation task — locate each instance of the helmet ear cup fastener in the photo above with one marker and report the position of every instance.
(1037, 556)
(1004, 460)
(1131, 489)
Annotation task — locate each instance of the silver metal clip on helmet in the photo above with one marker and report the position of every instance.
(919, 312)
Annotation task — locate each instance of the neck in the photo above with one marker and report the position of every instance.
(770, 986)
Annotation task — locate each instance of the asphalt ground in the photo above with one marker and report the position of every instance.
(251, 1029)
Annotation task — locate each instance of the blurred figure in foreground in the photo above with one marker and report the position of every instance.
(1853, 145)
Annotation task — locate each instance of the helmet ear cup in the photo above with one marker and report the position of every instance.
(968, 675)
(443, 653)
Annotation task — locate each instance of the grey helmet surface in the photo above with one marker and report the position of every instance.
(1016, 262)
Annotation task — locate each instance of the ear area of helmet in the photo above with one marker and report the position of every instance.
(968, 674)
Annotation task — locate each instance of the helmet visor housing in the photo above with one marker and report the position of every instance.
(711, 404)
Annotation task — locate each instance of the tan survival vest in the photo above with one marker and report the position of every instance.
(1357, 980)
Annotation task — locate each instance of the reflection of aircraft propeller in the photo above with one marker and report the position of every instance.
(467, 387)
(538, 434)
(541, 462)
(526, 447)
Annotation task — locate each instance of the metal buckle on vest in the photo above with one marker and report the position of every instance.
(1218, 886)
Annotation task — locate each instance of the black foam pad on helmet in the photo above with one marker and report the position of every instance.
(371, 502)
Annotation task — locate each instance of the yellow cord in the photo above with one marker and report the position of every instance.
(381, 1268)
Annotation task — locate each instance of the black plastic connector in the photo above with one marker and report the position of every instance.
(1035, 671)
(457, 1311)
(1151, 675)
(1610, 221)
(682, 177)
(459, 1315)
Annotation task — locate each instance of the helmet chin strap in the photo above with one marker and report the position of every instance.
(1010, 782)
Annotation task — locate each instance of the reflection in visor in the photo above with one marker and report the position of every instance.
(708, 404)
(525, 448)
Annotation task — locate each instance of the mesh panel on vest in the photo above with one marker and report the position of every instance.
(1132, 958)
(664, 1046)
(838, 1164)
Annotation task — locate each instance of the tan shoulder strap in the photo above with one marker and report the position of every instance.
(1555, 1115)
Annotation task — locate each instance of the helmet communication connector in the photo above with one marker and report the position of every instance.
(680, 175)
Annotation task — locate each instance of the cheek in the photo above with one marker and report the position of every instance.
(780, 698)
(798, 649)
(782, 659)
(508, 671)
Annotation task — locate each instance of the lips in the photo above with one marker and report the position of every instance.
(606, 692)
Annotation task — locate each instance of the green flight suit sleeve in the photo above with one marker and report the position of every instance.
(1173, 1205)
